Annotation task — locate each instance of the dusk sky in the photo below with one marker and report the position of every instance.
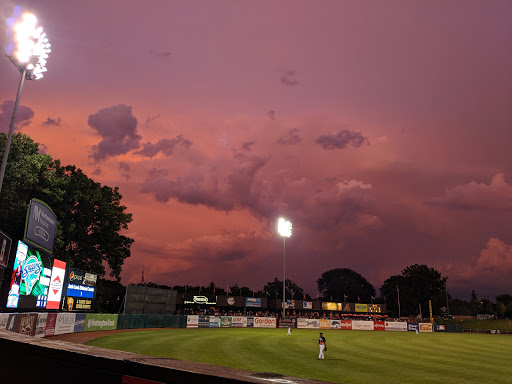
(381, 129)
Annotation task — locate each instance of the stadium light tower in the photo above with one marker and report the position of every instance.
(285, 229)
(28, 49)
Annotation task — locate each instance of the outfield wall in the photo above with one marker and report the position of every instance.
(51, 324)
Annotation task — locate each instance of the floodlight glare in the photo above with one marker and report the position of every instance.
(28, 49)
(284, 227)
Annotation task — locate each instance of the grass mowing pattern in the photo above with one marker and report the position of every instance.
(351, 357)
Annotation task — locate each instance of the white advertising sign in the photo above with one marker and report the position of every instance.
(239, 322)
(65, 323)
(41, 324)
(265, 322)
(308, 323)
(395, 326)
(4, 317)
(360, 325)
(192, 321)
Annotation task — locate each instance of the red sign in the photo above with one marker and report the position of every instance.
(346, 324)
(379, 326)
(55, 292)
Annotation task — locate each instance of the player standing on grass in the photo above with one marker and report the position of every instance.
(322, 344)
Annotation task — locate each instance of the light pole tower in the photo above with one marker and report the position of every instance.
(28, 51)
(285, 230)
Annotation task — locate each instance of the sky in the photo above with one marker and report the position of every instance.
(381, 129)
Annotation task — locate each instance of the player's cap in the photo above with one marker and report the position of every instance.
(321, 333)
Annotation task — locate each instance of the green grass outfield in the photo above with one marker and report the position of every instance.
(352, 356)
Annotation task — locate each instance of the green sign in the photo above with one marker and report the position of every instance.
(100, 322)
(225, 321)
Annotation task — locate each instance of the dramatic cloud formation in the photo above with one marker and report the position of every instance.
(24, 116)
(342, 139)
(290, 138)
(118, 129)
(496, 195)
(53, 122)
(164, 146)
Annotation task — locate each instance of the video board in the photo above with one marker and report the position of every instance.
(32, 278)
(80, 290)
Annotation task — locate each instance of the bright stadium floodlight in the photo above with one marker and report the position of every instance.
(284, 228)
(27, 49)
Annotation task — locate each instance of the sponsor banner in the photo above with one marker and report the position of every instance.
(214, 322)
(192, 321)
(347, 307)
(438, 328)
(308, 323)
(56, 281)
(395, 326)
(346, 324)
(335, 324)
(328, 306)
(290, 304)
(11, 322)
(379, 326)
(374, 308)
(413, 327)
(225, 321)
(4, 317)
(238, 322)
(204, 321)
(265, 322)
(285, 323)
(65, 323)
(100, 321)
(253, 302)
(40, 226)
(361, 307)
(26, 323)
(189, 298)
(5, 249)
(426, 327)
(307, 305)
(79, 322)
(324, 324)
(250, 322)
(51, 321)
(71, 304)
(41, 324)
(361, 325)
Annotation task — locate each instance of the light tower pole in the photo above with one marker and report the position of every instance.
(28, 51)
(285, 230)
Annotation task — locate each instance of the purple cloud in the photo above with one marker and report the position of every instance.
(289, 78)
(53, 122)
(342, 139)
(290, 138)
(118, 129)
(23, 116)
(164, 146)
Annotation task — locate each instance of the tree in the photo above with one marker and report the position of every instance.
(416, 286)
(342, 284)
(274, 289)
(90, 216)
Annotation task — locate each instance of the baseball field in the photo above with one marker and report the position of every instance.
(351, 357)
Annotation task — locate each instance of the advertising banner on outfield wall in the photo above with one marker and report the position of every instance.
(395, 326)
(225, 321)
(379, 326)
(265, 322)
(324, 324)
(413, 327)
(426, 327)
(346, 324)
(79, 322)
(65, 323)
(308, 323)
(4, 317)
(214, 321)
(41, 324)
(335, 324)
(285, 323)
(26, 324)
(51, 321)
(192, 321)
(100, 321)
(204, 321)
(361, 325)
(239, 322)
(250, 322)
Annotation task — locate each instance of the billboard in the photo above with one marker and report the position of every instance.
(99, 322)
(5, 249)
(252, 302)
(361, 307)
(189, 298)
(79, 292)
(56, 283)
(307, 305)
(30, 280)
(265, 322)
(361, 325)
(40, 226)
